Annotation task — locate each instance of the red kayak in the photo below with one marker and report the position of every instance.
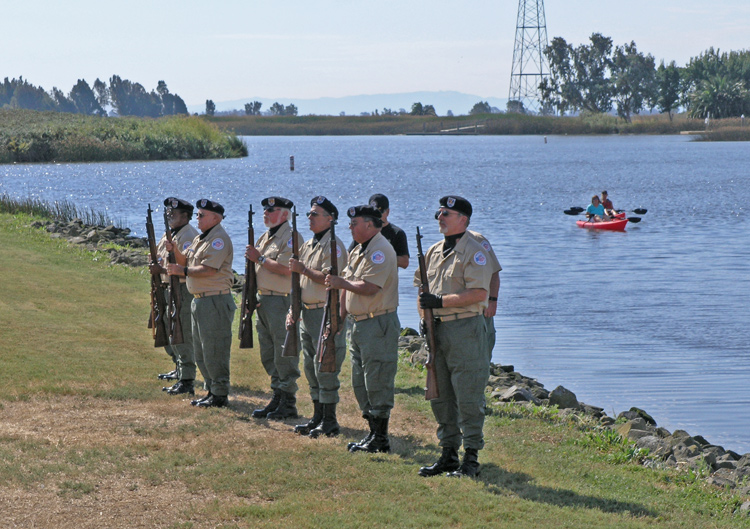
(616, 224)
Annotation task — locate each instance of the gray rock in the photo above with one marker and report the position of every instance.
(662, 432)
(657, 447)
(637, 412)
(745, 507)
(563, 398)
(539, 392)
(593, 411)
(720, 482)
(685, 452)
(77, 240)
(518, 394)
(606, 421)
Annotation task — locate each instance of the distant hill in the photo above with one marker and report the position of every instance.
(457, 102)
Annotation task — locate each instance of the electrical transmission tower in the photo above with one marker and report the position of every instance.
(529, 63)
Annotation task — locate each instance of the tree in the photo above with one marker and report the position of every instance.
(429, 110)
(277, 109)
(84, 99)
(62, 103)
(482, 107)
(668, 86)
(417, 109)
(290, 110)
(516, 106)
(253, 109)
(720, 98)
(210, 107)
(634, 78)
(26, 95)
(102, 93)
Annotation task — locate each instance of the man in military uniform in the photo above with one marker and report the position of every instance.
(179, 213)
(459, 282)
(390, 231)
(207, 265)
(370, 297)
(271, 255)
(313, 264)
(491, 308)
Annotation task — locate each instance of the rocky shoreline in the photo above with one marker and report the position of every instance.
(659, 447)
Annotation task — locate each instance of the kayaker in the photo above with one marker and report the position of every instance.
(609, 209)
(595, 211)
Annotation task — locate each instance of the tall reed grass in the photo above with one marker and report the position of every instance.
(30, 136)
(63, 210)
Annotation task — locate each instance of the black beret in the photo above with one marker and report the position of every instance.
(364, 211)
(178, 203)
(456, 203)
(210, 205)
(276, 202)
(379, 201)
(326, 204)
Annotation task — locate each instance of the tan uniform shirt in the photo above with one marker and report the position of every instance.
(465, 267)
(376, 264)
(318, 257)
(279, 248)
(491, 256)
(214, 250)
(182, 239)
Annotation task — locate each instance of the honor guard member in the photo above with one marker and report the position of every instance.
(491, 309)
(313, 264)
(390, 231)
(370, 297)
(207, 265)
(271, 255)
(459, 276)
(179, 213)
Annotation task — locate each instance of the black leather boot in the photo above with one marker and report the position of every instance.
(379, 441)
(470, 466)
(262, 413)
(214, 401)
(305, 429)
(287, 408)
(448, 462)
(330, 426)
(198, 401)
(172, 375)
(183, 386)
(366, 438)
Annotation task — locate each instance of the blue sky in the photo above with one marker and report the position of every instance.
(228, 49)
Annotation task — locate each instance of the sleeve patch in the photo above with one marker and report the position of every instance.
(290, 243)
(217, 244)
(186, 245)
(480, 259)
(378, 257)
(486, 245)
(338, 251)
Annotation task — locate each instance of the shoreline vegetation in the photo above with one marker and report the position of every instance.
(77, 443)
(729, 129)
(32, 136)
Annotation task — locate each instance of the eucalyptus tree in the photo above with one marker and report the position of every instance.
(634, 80)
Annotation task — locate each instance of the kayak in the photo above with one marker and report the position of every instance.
(617, 224)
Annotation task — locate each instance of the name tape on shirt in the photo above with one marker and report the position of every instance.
(218, 244)
(480, 259)
(378, 257)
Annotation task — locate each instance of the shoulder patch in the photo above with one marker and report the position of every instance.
(378, 257)
(480, 259)
(186, 245)
(290, 243)
(338, 251)
(217, 244)
(486, 246)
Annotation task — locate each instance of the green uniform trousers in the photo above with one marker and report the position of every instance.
(462, 369)
(374, 354)
(490, 323)
(212, 340)
(183, 354)
(324, 387)
(271, 325)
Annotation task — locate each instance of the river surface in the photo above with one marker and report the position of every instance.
(655, 317)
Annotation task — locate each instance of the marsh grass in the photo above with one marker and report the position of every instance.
(30, 136)
(62, 210)
(86, 429)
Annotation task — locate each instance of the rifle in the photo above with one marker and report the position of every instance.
(158, 299)
(291, 342)
(175, 297)
(249, 292)
(331, 324)
(429, 324)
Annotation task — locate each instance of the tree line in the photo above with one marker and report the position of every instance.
(124, 97)
(598, 76)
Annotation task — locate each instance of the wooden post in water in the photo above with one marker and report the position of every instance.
(291, 163)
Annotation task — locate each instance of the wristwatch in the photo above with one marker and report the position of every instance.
(261, 260)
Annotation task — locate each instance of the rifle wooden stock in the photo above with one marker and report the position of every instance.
(249, 292)
(291, 341)
(429, 320)
(175, 296)
(331, 324)
(159, 307)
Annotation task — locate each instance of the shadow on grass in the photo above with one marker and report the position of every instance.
(500, 481)
(413, 390)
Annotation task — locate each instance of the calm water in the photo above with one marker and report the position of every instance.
(656, 317)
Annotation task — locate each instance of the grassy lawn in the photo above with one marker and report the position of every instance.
(88, 439)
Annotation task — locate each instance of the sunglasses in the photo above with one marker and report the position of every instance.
(444, 213)
(270, 210)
